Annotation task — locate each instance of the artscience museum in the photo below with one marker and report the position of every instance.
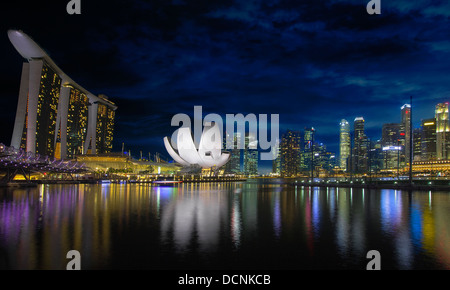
(209, 153)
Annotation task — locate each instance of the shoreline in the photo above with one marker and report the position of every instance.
(432, 185)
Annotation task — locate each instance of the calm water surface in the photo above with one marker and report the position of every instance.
(246, 225)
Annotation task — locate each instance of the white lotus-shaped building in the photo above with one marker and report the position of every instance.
(209, 153)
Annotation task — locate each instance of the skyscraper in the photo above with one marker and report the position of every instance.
(391, 145)
(344, 143)
(360, 148)
(251, 155)
(442, 131)
(234, 165)
(105, 126)
(55, 116)
(406, 118)
(417, 144)
(290, 150)
(308, 149)
(276, 158)
(428, 140)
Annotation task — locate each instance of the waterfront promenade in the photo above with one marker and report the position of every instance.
(378, 183)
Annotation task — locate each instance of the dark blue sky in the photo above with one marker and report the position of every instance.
(311, 62)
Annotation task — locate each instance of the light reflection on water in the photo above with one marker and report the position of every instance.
(222, 225)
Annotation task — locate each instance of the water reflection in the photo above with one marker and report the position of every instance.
(257, 224)
(194, 216)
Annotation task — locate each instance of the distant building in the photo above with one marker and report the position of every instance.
(391, 145)
(118, 162)
(360, 149)
(417, 143)
(376, 156)
(276, 162)
(428, 140)
(406, 129)
(307, 150)
(344, 144)
(290, 150)
(251, 155)
(234, 165)
(55, 116)
(442, 132)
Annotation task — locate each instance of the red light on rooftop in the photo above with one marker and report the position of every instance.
(402, 134)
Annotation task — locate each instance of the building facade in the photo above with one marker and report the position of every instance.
(442, 132)
(406, 130)
(307, 150)
(290, 150)
(55, 116)
(360, 149)
(251, 155)
(392, 145)
(428, 140)
(344, 144)
(234, 165)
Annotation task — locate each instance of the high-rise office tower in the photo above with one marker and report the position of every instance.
(234, 165)
(290, 150)
(307, 150)
(360, 149)
(442, 131)
(276, 158)
(55, 116)
(428, 140)
(406, 136)
(417, 144)
(390, 134)
(251, 155)
(392, 145)
(344, 143)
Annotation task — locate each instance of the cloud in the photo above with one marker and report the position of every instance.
(312, 62)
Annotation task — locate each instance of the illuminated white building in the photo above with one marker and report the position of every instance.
(209, 153)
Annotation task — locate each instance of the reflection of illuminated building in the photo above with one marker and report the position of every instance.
(63, 225)
(200, 215)
(55, 116)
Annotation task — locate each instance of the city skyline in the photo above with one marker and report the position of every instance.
(55, 95)
(156, 59)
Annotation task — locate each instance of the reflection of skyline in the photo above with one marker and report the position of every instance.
(194, 214)
(38, 226)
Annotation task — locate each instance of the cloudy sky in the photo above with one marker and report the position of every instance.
(312, 62)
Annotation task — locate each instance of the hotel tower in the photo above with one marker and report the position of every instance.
(55, 116)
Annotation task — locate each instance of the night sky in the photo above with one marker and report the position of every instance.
(312, 62)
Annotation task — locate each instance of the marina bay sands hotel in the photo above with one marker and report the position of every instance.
(55, 116)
